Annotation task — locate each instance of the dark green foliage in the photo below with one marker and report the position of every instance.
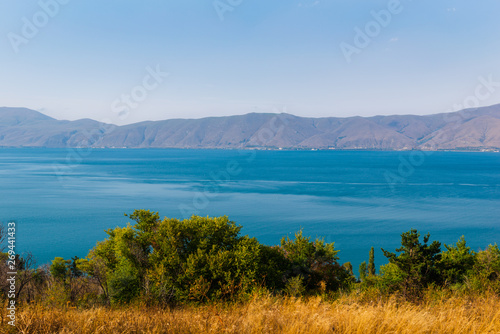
(170, 261)
(62, 269)
(363, 271)
(295, 286)
(485, 274)
(201, 259)
(371, 262)
(74, 271)
(390, 280)
(273, 267)
(417, 262)
(204, 259)
(124, 287)
(315, 261)
(456, 261)
(488, 262)
(59, 269)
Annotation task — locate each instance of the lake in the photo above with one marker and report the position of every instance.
(63, 199)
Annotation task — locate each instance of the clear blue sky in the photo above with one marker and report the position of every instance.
(264, 56)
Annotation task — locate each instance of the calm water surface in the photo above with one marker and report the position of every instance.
(63, 200)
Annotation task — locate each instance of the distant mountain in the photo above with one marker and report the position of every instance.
(476, 129)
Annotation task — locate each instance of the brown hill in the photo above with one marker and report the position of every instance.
(467, 129)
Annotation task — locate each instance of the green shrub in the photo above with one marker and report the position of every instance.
(316, 262)
(59, 269)
(391, 278)
(485, 274)
(295, 286)
(169, 260)
(273, 268)
(123, 287)
(455, 262)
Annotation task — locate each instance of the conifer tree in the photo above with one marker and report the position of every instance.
(417, 261)
(363, 272)
(371, 262)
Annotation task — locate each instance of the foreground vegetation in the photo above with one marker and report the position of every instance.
(201, 275)
(268, 314)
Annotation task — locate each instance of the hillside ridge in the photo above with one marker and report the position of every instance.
(470, 129)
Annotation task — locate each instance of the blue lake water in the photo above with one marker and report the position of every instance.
(63, 200)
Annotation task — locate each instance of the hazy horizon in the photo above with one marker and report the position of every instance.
(127, 62)
(276, 111)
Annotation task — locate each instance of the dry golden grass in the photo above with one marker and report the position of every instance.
(275, 315)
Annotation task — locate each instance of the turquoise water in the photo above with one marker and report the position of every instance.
(63, 200)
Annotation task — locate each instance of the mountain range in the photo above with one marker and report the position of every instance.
(470, 129)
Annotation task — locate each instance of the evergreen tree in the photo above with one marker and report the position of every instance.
(363, 271)
(456, 261)
(371, 262)
(418, 262)
(75, 272)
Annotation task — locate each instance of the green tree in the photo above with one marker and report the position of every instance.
(315, 261)
(95, 268)
(59, 269)
(390, 278)
(73, 267)
(456, 262)
(363, 271)
(169, 260)
(417, 262)
(101, 263)
(201, 258)
(273, 268)
(371, 262)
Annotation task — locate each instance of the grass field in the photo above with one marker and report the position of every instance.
(266, 314)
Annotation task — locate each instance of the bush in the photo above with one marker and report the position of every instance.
(295, 286)
(391, 278)
(273, 268)
(316, 262)
(205, 259)
(485, 274)
(455, 262)
(170, 260)
(202, 258)
(123, 287)
(59, 268)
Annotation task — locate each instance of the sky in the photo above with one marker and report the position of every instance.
(128, 61)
